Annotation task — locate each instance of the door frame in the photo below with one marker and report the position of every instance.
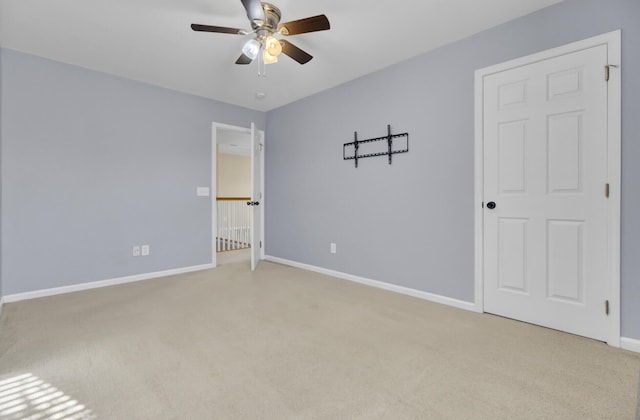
(215, 126)
(613, 42)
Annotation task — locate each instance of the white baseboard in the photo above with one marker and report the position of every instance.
(1, 303)
(102, 283)
(630, 344)
(469, 306)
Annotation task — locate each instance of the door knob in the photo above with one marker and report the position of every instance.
(491, 205)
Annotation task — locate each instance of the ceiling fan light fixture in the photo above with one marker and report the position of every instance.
(251, 49)
(268, 58)
(272, 46)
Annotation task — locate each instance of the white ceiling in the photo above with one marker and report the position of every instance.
(151, 41)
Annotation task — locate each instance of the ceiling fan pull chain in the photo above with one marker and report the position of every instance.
(262, 66)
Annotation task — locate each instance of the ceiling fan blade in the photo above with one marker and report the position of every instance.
(243, 59)
(294, 52)
(220, 29)
(254, 10)
(302, 26)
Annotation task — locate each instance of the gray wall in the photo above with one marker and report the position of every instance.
(93, 164)
(411, 223)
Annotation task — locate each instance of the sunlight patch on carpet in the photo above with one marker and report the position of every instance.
(29, 397)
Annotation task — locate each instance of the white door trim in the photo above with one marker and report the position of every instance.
(613, 43)
(214, 186)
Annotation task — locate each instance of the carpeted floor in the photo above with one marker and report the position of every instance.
(282, 343)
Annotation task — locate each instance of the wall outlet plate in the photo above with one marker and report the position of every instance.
(333, 248)
(144, 249)
(136, 251)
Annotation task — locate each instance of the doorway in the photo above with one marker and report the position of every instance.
(237, 185)
(233, 171)
(547, 188)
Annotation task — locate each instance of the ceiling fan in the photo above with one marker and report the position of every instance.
(265, 24)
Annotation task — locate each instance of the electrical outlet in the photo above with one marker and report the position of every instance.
(136, 251)
(333, 248)
(144, 249)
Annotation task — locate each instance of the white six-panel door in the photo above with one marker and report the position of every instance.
(545, 168)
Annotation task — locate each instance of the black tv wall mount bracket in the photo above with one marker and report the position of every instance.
(395, 143)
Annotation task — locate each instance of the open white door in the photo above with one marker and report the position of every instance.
(214, 193)
(256, 196)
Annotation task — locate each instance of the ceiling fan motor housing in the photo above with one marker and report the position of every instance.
(272, 17)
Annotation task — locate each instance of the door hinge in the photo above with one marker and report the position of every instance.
(606, 190)
(260, 244)
(483, 204)
(607, 70)
(606, 307)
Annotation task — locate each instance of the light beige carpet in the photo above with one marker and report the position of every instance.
(282, 343)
